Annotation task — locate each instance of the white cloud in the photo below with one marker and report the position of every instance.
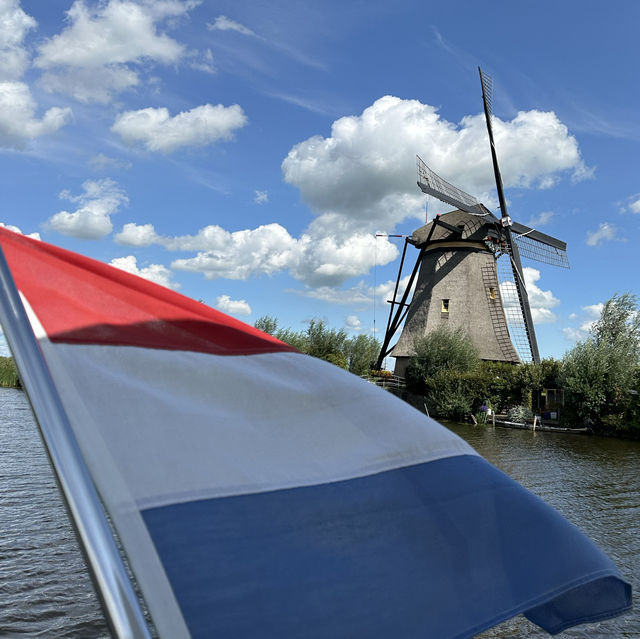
(90, 85)
(577, 334)
(14, 25)
(92, 219)
(361, 295)
(353, 323)
(269, 249)
(540, 219)
(18, 123)
(262, 197)
(605, 233)
(91, 59)
(204, 63)
(223, 23)
(541, 302)
(634, 204)
(137, 235)
(154, 272)
(594, 311)
(364, 173)
(234, 307)
(238, 255)
(102, 162)
(15, 229)
(158, 131)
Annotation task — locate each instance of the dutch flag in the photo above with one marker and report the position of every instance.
(259, 492)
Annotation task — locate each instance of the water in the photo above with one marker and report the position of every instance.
(44, 587)
(45, 590)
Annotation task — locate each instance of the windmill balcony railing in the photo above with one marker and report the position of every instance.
(388, 382)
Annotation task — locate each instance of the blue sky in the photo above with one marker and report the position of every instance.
(246, 153)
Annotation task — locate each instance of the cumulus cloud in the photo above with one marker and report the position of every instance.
(540, 219)
(364, 172)
(605, 233)
(100, 52)
(594, 311)
(158, 131)
(591, 315)
(225, 304)
(268, 249)
(15, 229)
(18, 124)
(137, 235)
(14, 26)
(353, 323)
(92, 219)
(222, 23)
(540, 302)
(634, 203)
(154, 272)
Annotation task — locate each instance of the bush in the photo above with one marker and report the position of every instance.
(442, 349)
(8, 373)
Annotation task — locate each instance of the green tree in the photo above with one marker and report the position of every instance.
(267, 324)
(361, 352)
(600, 373)
(330, 344)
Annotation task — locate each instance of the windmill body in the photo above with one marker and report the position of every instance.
(457, 286)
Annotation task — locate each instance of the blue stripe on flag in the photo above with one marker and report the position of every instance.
(401, 553)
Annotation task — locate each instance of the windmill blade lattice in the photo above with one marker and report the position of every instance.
(513, 309)
(541, 252)
(487, 88)
(432, 184)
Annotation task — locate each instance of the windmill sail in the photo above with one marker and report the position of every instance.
(540, 247)
(513, 308)
(432, 184)
(487, 92)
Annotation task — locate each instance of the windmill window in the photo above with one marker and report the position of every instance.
(492, 293)
(445, 306)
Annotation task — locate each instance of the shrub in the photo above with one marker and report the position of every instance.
(442, 349)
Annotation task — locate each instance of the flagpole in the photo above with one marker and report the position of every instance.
(120, 603)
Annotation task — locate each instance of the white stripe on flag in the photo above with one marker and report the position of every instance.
(186, 425)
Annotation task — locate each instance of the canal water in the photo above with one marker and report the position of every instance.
(45, 591)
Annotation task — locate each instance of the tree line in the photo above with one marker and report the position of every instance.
(355, 354)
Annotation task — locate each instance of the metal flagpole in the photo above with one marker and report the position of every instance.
(120, 603)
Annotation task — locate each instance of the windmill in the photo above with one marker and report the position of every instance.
(470, 271)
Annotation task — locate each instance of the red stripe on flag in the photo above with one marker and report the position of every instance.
(80, 300)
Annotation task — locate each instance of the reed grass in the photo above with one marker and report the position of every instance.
(8, 373)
